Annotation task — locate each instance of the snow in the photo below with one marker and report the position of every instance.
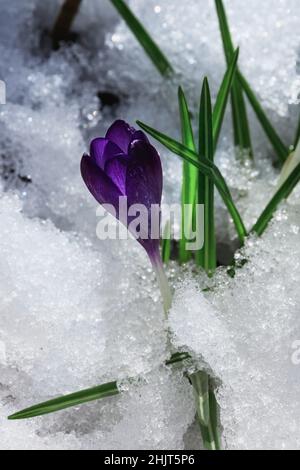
(75, 311)
(243, 331)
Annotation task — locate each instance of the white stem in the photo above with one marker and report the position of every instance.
(162, 282)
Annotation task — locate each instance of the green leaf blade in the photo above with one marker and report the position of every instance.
(206, 407)
(241, 128)
(178, 357)
(67, 401)
(189, 181)
(281, 150)
(222, 98)
(205, 166)
(200, 385)
(281, 194)
(166, 243)
(206, 151)
(144, 38)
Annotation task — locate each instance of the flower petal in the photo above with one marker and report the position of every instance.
(144, 178)
(121, 134)
(144, 186)
(103, 150)
(140, 135)
(99, 184)
(115, 169)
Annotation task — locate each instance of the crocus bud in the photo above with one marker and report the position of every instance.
(125, 164)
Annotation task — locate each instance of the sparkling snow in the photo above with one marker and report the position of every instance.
(76, 311)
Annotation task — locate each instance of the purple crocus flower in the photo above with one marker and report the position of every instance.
(124, 163)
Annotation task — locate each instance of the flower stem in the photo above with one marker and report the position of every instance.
(64, 21)
(162, 281)
(206, 404)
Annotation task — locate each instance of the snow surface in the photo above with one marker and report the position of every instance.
(245, 330)
(76, 312)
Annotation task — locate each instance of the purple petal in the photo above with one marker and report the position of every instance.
(115, 169)
(103, 150)
(99, 184)
(144, 184)
(121, 134)
(144, 178)
(140, 135)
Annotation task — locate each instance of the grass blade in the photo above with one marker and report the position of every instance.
(144, 38)
(283, 193)
(84, 396)
(206, 407)
(241, 129)
(166, 243)
(67, 401)
(189, 181)
(281, 150)
(178, 357)
(207, 256)
(206, 151)
(205, 166)
(222, 98)
(200, 385)
(214, 416)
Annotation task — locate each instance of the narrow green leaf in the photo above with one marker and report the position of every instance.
(208, 437)
(189, 180)
(222, 98)
(206, 151)
(281, 150)
(208, 427)
(166, 243)
(185, 116)
(205, 166)
(200, 385)
(202, 180)
(283, 193)
(67, 401)
(241, 129)
(144, 38)
(214, 417)
(84, 396)
(178, 357)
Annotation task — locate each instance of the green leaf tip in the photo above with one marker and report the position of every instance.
(207, 256)
(222, 97)
(67, 401)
